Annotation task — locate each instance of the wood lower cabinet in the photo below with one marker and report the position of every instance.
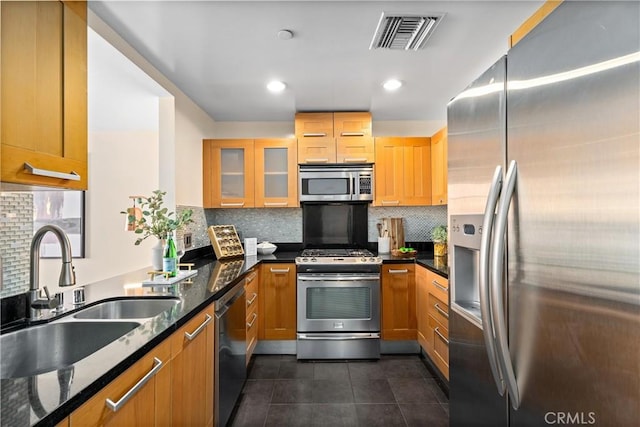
(277, 308)
(403, 171)
(439, 175)
(399, 321)
(251, 287)
(43, 92)
(433, 317)
(148, 386)
(192, 371)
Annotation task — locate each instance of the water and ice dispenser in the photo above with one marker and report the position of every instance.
(465, 233)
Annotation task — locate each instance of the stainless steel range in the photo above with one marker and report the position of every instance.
(338, 304)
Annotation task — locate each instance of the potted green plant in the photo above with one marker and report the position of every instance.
(439, 238)
(154, 219)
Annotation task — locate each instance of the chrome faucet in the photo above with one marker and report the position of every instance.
(67, 274)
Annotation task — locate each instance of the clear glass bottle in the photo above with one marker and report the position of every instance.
(170, 256)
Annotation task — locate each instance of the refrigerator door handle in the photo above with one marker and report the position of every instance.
(497, 266)
(483, 280)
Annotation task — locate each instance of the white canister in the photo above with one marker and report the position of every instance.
(250, 246)
(383, 245)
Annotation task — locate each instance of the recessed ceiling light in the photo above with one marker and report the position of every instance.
(392, 84)
(276, 86)
(285, 34)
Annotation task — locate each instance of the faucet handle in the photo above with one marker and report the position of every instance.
(48, 303)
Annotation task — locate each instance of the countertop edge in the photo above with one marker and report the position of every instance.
(74, 402)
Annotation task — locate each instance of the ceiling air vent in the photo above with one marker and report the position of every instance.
(407, 32)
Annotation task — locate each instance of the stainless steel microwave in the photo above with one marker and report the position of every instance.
(336, 183)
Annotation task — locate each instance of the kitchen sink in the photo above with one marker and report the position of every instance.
(53, 346)
(137, 308)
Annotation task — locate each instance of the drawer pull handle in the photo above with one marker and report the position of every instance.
(391, 202)
(352, 134)
(276, 204)
(279, 271)
(439, 286)
(251, 277)
(232, 205)
(192, 335)
(398, 271)
(316, 160)
(355, 159)
(441, 311)
(437, 331)
(115, 406)
(314, 135)
(72, 176)
(253, 298)
(253, 320)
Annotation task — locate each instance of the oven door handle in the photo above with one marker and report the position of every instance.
(363, 278)
(340, 337)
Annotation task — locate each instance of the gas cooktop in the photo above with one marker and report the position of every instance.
(337, 256)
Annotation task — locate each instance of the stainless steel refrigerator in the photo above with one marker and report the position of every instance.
(544, 178)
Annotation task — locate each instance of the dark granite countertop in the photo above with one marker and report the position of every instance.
(89, 375)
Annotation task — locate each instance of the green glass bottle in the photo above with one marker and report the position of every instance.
(170, 257)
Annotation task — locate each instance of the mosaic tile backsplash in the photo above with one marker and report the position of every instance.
(16, 231)
(285, 225)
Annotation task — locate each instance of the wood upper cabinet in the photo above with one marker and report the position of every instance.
(277, 309)
(403, 171)
(352, 124)
(192, 371)
(531, 22)
(399, 321)
(149, 404)
(439, 179)
(341, 137)
(355, 149)
(228, 173)
(43, 114)
(276, 173)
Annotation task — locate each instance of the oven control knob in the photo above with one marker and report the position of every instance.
(372, 260)
(363, 259)
(313, 260)
(305, 259)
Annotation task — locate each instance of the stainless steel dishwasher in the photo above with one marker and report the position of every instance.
(230, 352)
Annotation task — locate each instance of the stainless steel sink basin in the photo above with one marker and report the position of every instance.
(53, 346)
(138, 308)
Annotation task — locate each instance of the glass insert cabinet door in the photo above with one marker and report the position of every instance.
(276, 173)
(228, 173)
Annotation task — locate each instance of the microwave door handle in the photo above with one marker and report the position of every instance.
(354, 195)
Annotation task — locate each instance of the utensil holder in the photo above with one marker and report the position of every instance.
(383, 245)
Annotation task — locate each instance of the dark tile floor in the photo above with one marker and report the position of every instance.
(394, 391)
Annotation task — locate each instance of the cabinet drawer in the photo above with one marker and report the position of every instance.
(440, 338)
(438, 286)
(252, 330)
(193, 327)
(439, 310)
(251, 291)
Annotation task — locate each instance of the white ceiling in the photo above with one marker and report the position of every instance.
(222, 53)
